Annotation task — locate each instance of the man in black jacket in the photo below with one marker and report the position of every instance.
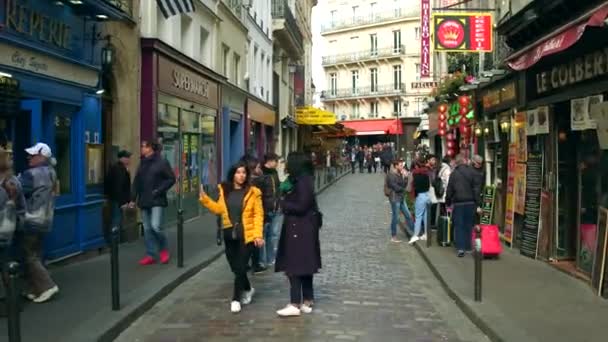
(153, 180)
(463, 194)
(118, 187)
(272, 215)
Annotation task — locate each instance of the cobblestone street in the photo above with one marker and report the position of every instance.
(369, 289)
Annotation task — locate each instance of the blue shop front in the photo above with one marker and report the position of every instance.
(50, 57)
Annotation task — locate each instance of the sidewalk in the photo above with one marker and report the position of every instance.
(522, 299)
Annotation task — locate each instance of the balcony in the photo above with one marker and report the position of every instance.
(376, 18)
(369, 55)
(113, 9)
(285, 29)
(387, 90)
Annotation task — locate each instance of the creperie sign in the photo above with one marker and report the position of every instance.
(425, 38)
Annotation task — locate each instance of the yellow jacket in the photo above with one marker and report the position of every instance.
(253, 212)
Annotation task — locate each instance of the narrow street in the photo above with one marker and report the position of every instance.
(369, 289)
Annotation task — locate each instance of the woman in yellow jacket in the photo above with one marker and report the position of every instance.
(240, 205)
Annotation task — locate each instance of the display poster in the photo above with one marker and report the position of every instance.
(542, 120)
(519, 191)
(579, 114)
(520, 137)
(509, 208)
(599, 113)
(531, 116)
(593, 101)
(532, 207)
(487, 205)
(599, 274)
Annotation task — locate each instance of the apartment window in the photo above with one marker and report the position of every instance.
(373, 109)
(333, 84)
(397, 77)
(355, 81)
(418, 69)
(334, 16)
(225, 56)
(397, 108)
(204, 48)
(236, 64)
(373, 38)
(372, 9)
(374, 79)
(396, 41)
(355, 8)
(397, 9)
(417, 32)
(355, 111)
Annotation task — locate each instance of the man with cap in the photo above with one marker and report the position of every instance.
(38, 184)
(118, 187)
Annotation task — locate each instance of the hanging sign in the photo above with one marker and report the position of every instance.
(519, 191)
(487, 205)
(580, 118)
(509, 213)
(425, 38)
(599, 113)
(463, 32)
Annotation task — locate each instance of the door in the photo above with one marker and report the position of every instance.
(567, 185)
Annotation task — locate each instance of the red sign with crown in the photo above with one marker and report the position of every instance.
(463, 32)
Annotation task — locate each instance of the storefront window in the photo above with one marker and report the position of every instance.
(168, 119)
(63, 143)
(208, 171)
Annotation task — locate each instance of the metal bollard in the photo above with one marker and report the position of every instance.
(427, 224)
(12, 304)
(478, 257)
(114, 268)
(180, 238)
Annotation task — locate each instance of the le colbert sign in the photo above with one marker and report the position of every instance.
(187, 84)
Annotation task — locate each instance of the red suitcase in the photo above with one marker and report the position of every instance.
(490, 240)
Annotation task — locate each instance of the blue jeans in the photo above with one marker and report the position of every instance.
(421, 205)
(395, 208)
(463, 216)
(116, 215)
(155, 238)
(272, 230)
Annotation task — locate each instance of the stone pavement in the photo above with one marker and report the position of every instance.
(369, 289)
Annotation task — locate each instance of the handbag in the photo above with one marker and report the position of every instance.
(317, 215)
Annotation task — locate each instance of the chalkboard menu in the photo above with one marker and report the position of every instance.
(9, 96)
(487, 205)
(529, 242)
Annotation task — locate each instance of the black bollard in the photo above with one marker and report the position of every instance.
(478, 257)
(12, 301)
(114, 268)
(180, 238)
(427, 224)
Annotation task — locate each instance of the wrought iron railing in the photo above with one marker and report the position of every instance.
(370, 54)
(346, 93)
(125, 6)
(373, 18)
(281, 10)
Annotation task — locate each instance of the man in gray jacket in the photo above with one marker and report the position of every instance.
(38, 184)
(396, 188)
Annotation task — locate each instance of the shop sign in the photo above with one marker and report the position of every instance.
(503, 95)
(424, 85)
(25, 19)
(45, 65)
(184, 83)
(314, 116)
(260, 113)
(425, 38)
(463, 32)
(509, 208)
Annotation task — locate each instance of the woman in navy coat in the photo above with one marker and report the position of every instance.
(299, 251)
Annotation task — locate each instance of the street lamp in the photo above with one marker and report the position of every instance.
(107, 54)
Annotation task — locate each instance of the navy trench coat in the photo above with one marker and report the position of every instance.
(299, 250)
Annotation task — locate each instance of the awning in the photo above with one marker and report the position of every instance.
(375, 127)
(559, 40)
(333, 131)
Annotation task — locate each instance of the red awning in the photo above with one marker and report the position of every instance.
(559, 40)
(375, 127)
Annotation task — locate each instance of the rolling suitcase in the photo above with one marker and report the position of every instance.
(491, 246)
(444, 231)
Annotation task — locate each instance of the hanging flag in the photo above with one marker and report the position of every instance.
(170, 8)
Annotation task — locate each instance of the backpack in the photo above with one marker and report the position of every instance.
(387, 190)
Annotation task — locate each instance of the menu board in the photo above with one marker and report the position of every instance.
(487, 205)
(599, 275)
(529, 242)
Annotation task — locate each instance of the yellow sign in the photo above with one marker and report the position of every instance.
(314, 116)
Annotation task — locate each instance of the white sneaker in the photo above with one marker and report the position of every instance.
(423, 237)
(289, 311)
(305, 309)
(247, 296)
(46, 295)
(235, 307)
(414, 239)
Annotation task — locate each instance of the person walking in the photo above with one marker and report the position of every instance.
(38, 183)
(360, 158)
(375, 158)
(240, 206)
(386, 157)
(272, 213)
(299, 252)
(463, 195)
(369, 160)
(396, 184)
(444, 175)
(118, 188)
(353, 159)
(153, 179)
(421, 184)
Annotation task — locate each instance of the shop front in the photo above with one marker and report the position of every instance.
(49, 76)
(233, 125)
(261, 119)
(557, 143)
(179, 109)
